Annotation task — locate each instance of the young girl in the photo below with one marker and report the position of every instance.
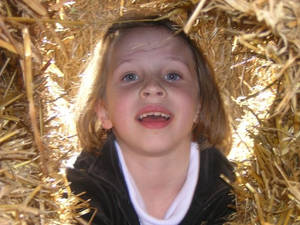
(150, 128)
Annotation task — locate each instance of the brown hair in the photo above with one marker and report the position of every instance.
(212, 128)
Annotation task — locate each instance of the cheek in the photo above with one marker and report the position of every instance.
(191, 94)
(119, 103)
(190, 102)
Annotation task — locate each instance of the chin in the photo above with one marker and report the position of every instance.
(157, 148)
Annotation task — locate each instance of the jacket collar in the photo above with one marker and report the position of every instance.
(106, 168)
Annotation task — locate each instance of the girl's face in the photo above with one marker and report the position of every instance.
(152, 93)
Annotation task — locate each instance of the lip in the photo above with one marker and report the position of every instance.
(154, 124)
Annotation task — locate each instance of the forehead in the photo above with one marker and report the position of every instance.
(152, 39)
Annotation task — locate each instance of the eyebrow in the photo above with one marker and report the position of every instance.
(173, 58)
(179, 59)
(123, 61)
(188, 66)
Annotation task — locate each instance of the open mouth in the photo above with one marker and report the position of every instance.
(154, 118)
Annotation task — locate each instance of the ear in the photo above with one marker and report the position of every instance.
(196, 117)
(102, 115)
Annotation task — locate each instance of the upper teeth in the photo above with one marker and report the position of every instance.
(154, 114)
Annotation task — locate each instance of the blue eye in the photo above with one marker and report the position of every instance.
(130, 77)
(172, 76)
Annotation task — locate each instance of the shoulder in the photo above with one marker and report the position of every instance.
(213, 194)
(98, 197)
(213, 163)
(95, 175)
(80, 180)
(97, 178)
(83, 181)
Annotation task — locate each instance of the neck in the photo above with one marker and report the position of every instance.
(158, 178)
(164, 167)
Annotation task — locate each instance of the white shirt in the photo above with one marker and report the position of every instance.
(182, 201)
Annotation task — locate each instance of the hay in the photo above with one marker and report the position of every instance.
(254, 47)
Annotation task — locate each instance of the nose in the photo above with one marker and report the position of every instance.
(153, 89)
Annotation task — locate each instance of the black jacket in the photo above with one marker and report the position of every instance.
(102, 180)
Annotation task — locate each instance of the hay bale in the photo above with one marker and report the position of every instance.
(254, 47)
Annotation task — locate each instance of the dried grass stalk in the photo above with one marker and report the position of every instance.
(29, 91)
